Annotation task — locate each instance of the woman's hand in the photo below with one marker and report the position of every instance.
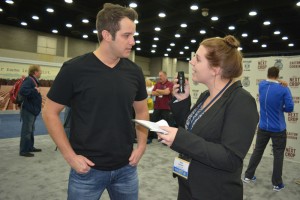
(181, 96)
(168, 138)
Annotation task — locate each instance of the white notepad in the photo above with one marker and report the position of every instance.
(153, 126)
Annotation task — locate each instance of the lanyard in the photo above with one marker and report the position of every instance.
(197, 114)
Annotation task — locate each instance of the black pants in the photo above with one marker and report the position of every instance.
(278, 144)
(158, 115)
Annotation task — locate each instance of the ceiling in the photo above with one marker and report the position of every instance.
(284, 16)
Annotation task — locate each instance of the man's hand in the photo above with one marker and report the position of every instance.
(80, 164)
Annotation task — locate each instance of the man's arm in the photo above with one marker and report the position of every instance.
(141, 112)
(55, 128)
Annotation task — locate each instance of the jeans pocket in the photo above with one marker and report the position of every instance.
(81, 175)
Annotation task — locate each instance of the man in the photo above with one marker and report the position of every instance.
(274, 99)
(101, 87)
(30, 109)
(163, 94)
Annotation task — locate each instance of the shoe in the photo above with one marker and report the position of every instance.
(36, 150)
(27, 154)
(248, 180)
(278, 187)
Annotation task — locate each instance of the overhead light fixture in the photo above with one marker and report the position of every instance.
(204, 12)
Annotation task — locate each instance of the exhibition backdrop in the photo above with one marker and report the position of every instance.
(255, 70)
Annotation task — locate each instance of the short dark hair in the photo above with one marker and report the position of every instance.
(273, 72)
(109, 17)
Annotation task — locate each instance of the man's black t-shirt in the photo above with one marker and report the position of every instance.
(101, 99)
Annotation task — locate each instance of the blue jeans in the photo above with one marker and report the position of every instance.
(121, 184)
(278, 144)
(27, 138)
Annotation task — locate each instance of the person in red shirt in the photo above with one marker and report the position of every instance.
(163, 94)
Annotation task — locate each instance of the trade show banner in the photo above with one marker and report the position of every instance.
(12, 70)
(255, 70)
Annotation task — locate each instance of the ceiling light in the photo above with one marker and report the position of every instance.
(169, 49)
(255, 40)
(291, 44)
(231, 27)
(50, 10)
(85, 21)
(1, 10)
(166, 54)
(157, 29)
(95, 31)
(214, 18)
(177, 35)
(244, 35)
(194, 7)
(152, 51)
(267, 23)
(240, 48)
(187, 59)
(162, 14)
(202, 32)
(85, 36)
(181, 52)
(284, 38)
(138, 41)
(183, 25)
(23, 23)
(193, 41)
(68, 25)
(69, 1)
(276, 32)
(186, 47)
(9, 1)
(138, 48)
(136, 33)
(252, 13)
(54, 31)
(136, 21)
(156, 38)
(35, 17)
(172, 44)
(154, 45)
(263, 45)
(132, 5)
(298, 3)
(204, 12)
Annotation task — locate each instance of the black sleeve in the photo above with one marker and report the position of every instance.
(61, 90)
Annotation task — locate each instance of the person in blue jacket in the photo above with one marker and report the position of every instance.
(30, 109)
(274, 99)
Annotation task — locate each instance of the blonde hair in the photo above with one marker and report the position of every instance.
(148, 82)
(32, 69)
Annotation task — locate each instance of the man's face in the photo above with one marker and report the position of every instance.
(38, 73)
(162, 77)
(122, 44)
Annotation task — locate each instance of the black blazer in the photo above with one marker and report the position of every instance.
(217, 143)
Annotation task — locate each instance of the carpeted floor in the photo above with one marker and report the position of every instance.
(45, 176)
(10, 124)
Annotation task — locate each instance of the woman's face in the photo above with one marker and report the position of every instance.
(201, 71)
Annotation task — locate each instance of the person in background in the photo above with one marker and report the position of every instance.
(163, 94)
(102, 88)
(149, 88)
(214, 135)
(30, 109)
(275, 98)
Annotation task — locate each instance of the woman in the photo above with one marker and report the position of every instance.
(215, 135)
